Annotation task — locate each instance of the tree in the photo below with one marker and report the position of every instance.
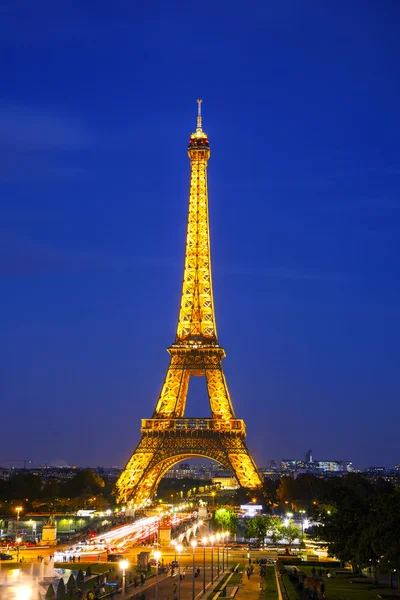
(85, 481)
(61, 589)
(347, 526)
(289, 533)
(50, 592)
(22, 486)
(79, 578)
(71, 583)
(386, 531)
(258, 527)
(226, 519)
(274, 532)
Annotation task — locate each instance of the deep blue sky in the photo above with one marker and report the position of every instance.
(301, 105)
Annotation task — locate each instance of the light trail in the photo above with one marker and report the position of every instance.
(117, 539)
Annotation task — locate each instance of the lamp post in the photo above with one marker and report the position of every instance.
(18, 541)
(223, 537)
(213, 496)
(123, 565)
(226, 542)
(304, 524)
(204, 541)
(193, 544)
(157, 556)
(218, 537)
(212, 540)
(179, 548)
(173, 543)
(18, 509)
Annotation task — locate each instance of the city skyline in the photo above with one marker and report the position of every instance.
(304, 177)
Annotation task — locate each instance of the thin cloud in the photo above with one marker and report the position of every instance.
(24, 258)
(25, 129)
(283, 273)
(35, 144)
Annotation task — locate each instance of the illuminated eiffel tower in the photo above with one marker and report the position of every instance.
(168, 438)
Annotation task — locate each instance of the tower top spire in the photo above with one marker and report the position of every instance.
(199, 139)
(199, 118)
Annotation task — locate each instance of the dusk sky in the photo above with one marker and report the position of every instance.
(302, 109)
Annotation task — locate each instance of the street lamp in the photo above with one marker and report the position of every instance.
(304, 524)
(212, 540)
(226, 542)
(204, 542)
(157, 556)
(123, 565)
(173, 543)
(179, 548)
(18, 509)
(223, 538)
(218, 537)
(193, 544)
(18, 541)
(213, 496)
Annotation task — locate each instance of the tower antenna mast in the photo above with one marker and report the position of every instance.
(199, 101)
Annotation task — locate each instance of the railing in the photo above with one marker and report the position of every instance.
(188, 425)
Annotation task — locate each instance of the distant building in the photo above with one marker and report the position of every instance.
(334, 465)
(309, 456)
(227, 483)
(315, 466)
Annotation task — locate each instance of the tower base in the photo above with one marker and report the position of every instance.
(166, 442)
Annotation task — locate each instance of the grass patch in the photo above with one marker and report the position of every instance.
(337, 587)
(271, 589)
(237, 577)
(291, 592)
(218, 586)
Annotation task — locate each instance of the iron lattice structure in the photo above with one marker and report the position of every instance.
(168, 437)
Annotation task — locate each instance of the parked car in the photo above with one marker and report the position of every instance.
(4, 556)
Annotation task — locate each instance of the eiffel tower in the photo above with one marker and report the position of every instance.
(168, 438)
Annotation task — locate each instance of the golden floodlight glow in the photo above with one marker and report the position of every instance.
(168, 437)
(23, 592)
